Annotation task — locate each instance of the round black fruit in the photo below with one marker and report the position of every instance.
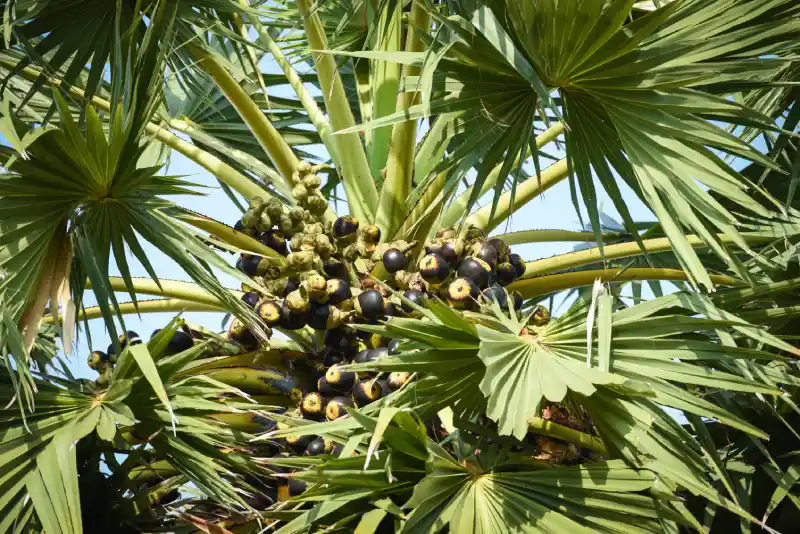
(366, 392)
(250, 298)
(96, 359)
(313, 406)
(318, 316)
(476, 270)
(391, 309)
(462, 292)
(339, 379)
(298, 443)
(339, 339)
(488, 254)
(518, 301)
(496, 293)
(292, 320)
(129, 337)
(364, 356)
(371, 304)
(180, 342)
(239, 332)
(506, 274)
(499, 245)
(332, 356)
(270, 312)
(316, 448)
(378, 353)
(337, 407)
(326, 389)
(394, 346)
(397, 379)
(345, 226)
(335, 269)
(338, 291)
(394, 260)
(291, 285)
(275, 240)
(416, 297)
(518, 263)
(250, 264)
(434, 268)
(448, 252)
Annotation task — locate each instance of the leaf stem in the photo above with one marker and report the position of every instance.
(400, 161)
(555, 430)
(552, 236)
(525, 192)
(362, 195)
(148, 306)
(267, 135)
(570, 260)
(545, 285)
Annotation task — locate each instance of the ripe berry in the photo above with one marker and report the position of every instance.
(340, 380)
(338, 291)
(488, 254)
(476, 270)
(339, 339)
(394, 346)
(371, 304)
(291, 285)
(518, 300)
(337, 407)
(96, 359)
(335, 269)
(394, 260)
(313, 406)
(366, 392)
(434, 268)
(298, 443)
(250, 298)
(270, 312)
(129, 337)
(518, 263)
(416, 297)
(326, 389)
(180, 342)
(397, 379)
(345, 226)
(448, 252)
(251, 265)
(275, 240)
(239, 332)
(332, 357)
(318, 316)
(318, 447)
(506, 274)
(292, 320)
(462, 292)
(497, 293)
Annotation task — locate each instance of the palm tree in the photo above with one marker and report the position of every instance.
(389, 364)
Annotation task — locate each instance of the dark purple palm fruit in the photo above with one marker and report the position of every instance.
(506, 274)
(335, 269)
(488, 254)
(434, 269)
(240, 227)
(318, 315)
(251, 265)
(291, 285)
(269, 311)
(394, 260)
(250, 298)
(313, 407)
(518, 300)
(462, 293)
(416, 297)
(449, 253)
(337, 407)
(275, 240)
(476, 270)
(496, 293)
(366, 392)
(338, 291)
(345, 227)
(371, 304)
(292, 319)
(518, 263)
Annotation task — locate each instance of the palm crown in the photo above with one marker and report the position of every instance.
(388, 364)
